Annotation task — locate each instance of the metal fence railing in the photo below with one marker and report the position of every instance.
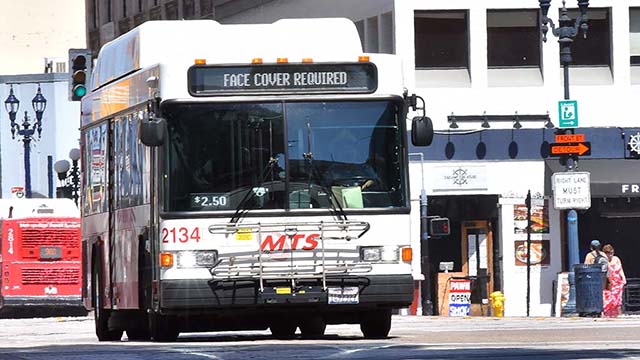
(631, 296)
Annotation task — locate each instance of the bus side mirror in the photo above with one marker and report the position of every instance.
(421, 131)
(152, 131)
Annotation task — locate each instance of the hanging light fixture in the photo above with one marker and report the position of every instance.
(453, 124)
(548, 124)
(12, 104)
(485, 121)
(516, 124)
(39, 103)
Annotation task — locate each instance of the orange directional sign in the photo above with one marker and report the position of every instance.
(580, 148)
(570, 138)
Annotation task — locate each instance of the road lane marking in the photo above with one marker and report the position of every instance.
(345, 352)
(512, 344)
(196, 353)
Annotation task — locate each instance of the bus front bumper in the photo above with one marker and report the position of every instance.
(393, 291)
(42, 301)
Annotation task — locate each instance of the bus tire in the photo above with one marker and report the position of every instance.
(163, 328)
(312, 327)
(376, 324)
(283, 329)
(100, 315)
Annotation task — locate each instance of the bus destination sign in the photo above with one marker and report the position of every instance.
(205, 80)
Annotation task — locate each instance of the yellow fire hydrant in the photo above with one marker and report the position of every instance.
(497, 303)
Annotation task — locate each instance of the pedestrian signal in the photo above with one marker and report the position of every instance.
(80, 70)
(439, 226)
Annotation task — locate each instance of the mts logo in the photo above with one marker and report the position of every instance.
(298, 241)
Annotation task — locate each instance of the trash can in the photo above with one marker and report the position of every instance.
(588, 283)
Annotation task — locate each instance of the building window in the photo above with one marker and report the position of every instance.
(108, 10)
(188, 9)
(371, 34)
(171, 10)
(386, 33)
(206, 9)
(124, 8)
(94, 13)
(155, 13)
(634, 35)
(139, 5)
(595, 50)
(513, 38)
(360, 28)
(441, 39)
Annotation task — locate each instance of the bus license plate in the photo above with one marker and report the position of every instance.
(50, 252)
(346, 295)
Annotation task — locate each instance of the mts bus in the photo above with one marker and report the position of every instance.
(245, 177)
(41, 255)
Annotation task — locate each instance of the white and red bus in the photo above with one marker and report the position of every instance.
(41, 254)
(246, 177)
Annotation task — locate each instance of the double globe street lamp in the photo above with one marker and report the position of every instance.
(69, 176)
(27, 129)
(566, 31)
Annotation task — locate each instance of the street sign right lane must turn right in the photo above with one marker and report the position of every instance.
(571, 190)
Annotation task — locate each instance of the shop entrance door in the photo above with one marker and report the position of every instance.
(477, 262)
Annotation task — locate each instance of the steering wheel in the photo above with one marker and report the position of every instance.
(357, 180)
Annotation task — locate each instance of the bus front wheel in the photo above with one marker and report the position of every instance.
(101, 315)
(376, 324)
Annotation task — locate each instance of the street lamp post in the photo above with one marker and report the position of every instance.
(69, 176)
(566, 31)
(27, 129)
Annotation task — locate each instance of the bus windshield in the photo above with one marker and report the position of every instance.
(284, 155)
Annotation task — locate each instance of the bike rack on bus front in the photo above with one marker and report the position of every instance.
(271, 264)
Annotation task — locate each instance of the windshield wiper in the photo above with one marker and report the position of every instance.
(268, 169)
(333, 199)
(250, 194)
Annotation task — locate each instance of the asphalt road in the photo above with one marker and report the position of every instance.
(411, 338)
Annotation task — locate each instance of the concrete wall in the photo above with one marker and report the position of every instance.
(510, 181)
(280, 9)
(592, 87)
(32, 30)
(609, 101)
(60, 123)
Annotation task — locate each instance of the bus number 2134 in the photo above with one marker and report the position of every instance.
(181, 234)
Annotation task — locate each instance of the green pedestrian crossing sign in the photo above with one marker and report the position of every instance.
(567, 114)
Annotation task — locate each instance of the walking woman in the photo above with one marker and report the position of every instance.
(613, 293)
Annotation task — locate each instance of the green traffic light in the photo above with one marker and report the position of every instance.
(79, 91)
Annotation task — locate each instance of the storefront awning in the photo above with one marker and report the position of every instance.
(609, 177)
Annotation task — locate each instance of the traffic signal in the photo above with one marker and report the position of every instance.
(80, 71)
(439, 226)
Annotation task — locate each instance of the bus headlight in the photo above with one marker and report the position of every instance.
(195, 259)
(379, 254)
